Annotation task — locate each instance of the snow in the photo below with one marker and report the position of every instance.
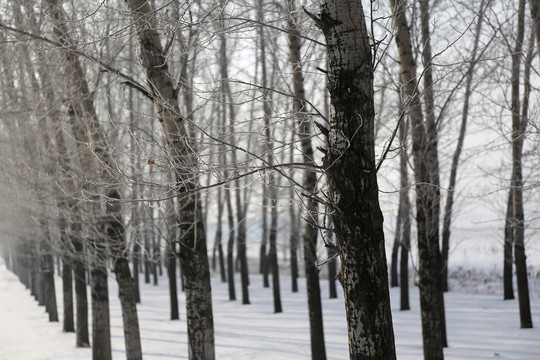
(480, 326)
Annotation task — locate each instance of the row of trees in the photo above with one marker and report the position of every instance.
(127, 125)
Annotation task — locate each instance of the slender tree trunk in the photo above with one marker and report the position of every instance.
(352, 181)
(424, 148)
(81, 297)
(155, 258)
(508, 275)
(117, 246)
(67, 279)
(293, 241)
(395, 250)
(218, 243)
(318, 350)
(432, 156)
(264, 267)
(193, 251)
(47, 272)
(230, 246)
(101, 329)
(447, 220)
(273, 251)
(171, 272)
(518, 136)
(405, 228)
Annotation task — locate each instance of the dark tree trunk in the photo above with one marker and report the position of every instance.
(67, 291)
(230, 246)
(309, 240)
(424, 149)
(193, 251)
(273, 253)
(395, 251)
(117, 246)
(264, 267)
(405, 230)
(101, 329)
(146, 254)
(218, 242)
(67, 278)
(244, 272)
(432, 158)
(171, 272)
(508, 274)
(155, 258)
(136, 268)
(81, 298)
(518, 135)
(352, 181)
(47, 271)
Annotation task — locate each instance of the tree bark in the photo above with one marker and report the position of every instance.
(352, 181)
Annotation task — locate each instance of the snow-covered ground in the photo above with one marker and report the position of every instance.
(479, 326)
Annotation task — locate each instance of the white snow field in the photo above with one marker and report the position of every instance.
(479, 326)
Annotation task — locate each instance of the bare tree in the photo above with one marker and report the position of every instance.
(424, 150)
(192, 240)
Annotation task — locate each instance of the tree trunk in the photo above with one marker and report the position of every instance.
(405, 228)
(427, 193)
(518, 136)
(171, 272)
(67, 278)
(101, 329)
(395, 250)
(293, 240)
(47, 274)
(309, 240)
(67, 291)
(192, 241)
(117, 246)
(273, 250)
(81, 297)
(352, 181)
(92, 144)
(218, 242)
(508, 275)
(263, 256)
(447, 220)
(230, 246)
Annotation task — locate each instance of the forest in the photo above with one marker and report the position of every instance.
(379, 153)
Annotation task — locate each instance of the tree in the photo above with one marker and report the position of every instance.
(424, 150)
(516, 184)
(192, 240)
(309, 184)
(350, 169)
(448, 208)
